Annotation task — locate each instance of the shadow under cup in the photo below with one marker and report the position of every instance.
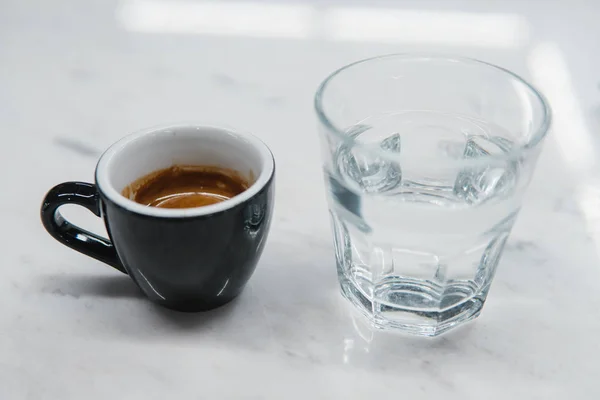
(185, 259)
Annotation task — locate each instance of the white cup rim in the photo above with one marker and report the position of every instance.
(107, 188)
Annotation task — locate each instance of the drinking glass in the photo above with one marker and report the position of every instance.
(426, 160)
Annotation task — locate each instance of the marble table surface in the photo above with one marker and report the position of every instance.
(77, 75)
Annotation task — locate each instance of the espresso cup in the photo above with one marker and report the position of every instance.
(188, 259)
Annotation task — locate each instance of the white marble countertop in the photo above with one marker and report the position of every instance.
(75, 76)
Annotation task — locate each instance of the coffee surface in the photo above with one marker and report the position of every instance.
(186, 186)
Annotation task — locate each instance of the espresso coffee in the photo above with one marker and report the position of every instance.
(186, 186)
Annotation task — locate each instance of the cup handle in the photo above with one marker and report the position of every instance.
(85, 195)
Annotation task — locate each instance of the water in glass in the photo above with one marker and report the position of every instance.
(418, 251)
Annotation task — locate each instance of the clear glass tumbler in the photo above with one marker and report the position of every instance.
(426, 161)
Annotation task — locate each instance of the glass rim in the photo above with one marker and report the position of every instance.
(517, 151)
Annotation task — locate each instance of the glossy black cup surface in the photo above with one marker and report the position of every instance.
(186, 262)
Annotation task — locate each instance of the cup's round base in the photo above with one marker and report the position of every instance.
(410, 320)
(193, 306)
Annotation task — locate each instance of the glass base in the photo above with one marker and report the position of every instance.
(421, 322)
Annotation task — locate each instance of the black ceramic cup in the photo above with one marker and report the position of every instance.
(190, 259)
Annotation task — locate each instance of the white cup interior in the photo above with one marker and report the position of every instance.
(153, 149)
